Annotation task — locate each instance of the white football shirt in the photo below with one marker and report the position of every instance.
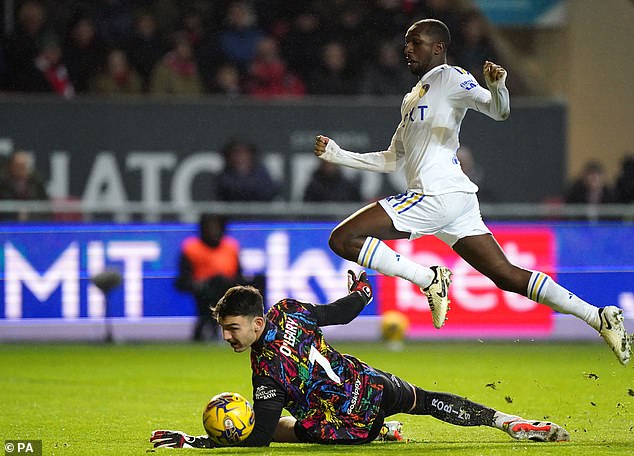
(426, 139)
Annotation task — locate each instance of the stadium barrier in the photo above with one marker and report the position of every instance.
(47, 293)
(78, 210)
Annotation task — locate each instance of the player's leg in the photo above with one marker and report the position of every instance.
(457, 410)
(411, 214)
(400, 396)
(359, 238)
(285, 430)
(485, 255)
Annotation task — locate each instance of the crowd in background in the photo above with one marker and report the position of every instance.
(260, 48)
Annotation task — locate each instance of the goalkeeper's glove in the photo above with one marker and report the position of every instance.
(360, 284)
(178, 439)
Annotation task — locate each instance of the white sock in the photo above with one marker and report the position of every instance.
(500, 418)
(378, 256)
(544, 290)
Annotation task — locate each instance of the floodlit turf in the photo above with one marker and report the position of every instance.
(106, 399)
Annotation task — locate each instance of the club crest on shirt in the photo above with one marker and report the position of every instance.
(423, 90)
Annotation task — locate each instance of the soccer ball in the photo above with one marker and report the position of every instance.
(394, 324)
(228, 418)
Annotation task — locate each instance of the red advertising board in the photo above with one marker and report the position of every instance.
(478, 307)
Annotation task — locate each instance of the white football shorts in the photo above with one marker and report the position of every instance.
(449, 217)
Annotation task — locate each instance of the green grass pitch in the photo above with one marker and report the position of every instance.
(90, 399)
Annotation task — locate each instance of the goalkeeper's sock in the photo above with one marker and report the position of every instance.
(452, 409)
(376, 255)
(544, 290)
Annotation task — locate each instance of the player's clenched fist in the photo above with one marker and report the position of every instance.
(493, 72)
(320, 144)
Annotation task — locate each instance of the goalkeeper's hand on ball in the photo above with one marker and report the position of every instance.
(360, 284)
(178, 439)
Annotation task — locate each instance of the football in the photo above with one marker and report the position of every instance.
(228, 418)
(394, 325)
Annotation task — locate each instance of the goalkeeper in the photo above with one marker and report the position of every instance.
(332, 398)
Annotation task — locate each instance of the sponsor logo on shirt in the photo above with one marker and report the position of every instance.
(264, 392)
(468, 84)
(355, 396)
(413, 116)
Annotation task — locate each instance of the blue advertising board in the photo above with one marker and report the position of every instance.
(596, 261)
(46, 269)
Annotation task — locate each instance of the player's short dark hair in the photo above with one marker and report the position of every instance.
(435, 29)
(241, 300)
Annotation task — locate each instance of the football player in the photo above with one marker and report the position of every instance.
(333, 398)
(440, 199)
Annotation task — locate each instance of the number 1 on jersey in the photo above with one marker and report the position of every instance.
(320, 359)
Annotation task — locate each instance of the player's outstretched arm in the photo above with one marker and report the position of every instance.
(383, 161)
(344, 310)
(176, 439)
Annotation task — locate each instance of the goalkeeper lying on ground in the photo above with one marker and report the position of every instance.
(333, 398)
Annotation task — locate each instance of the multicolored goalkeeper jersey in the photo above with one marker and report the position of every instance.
(333, 396)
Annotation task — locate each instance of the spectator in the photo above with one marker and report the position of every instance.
(146, 47)
(269, 76)
(244, 178)
(241, 35)
(24, 45)
(475, 46)
(114, 20)
(303, 42)
(591, 187)
(332, 76)
(53, 74)
(328, 183)
(209, 265)
(226, 80)
(82, 53)
(275, 16)
(177, 72)
(347, 24)
(387, 19)
(19, 182)
(625, 180)
(387, 76)
(193, 24)
(118, 78)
